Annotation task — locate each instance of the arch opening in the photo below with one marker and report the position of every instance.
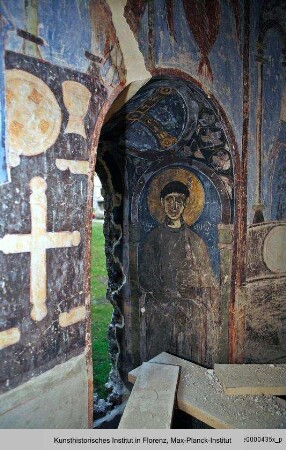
(169, 280)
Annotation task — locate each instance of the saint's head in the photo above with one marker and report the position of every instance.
(174, 197)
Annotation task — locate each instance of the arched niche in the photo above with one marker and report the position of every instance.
(171, 125)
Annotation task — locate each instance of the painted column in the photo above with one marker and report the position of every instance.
(30, 47)
(225, 236)
(258, 206)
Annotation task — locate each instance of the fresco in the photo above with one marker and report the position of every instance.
(274, 83)
(175, 269)
(106, 61)
(179, 170)
(5, 27)
(195, 11)
(51, 114)
(204, 37)
(158, 122)
(35, 28)
(265, 326)
(33, 115)
(56, 57)
(267, 57)
(278, 199)
(211, 53)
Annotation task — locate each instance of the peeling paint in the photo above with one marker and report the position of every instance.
(9, 337)
(75, 315)
(76, 167)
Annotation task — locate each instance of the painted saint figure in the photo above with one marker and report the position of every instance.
(181, 292)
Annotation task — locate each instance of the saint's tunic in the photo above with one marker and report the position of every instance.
(181, 294)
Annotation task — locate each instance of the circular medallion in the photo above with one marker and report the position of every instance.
(196, 201)
(274, 251)
(33, 114)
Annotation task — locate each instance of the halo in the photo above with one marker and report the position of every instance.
(196, 201)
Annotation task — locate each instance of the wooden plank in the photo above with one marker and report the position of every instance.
(151, 401)
(201, 395)
(252, 379)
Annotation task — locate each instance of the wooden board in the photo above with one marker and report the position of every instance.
(201, 395)
(151, 402)
(252, 379)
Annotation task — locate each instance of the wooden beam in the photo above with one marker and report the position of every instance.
(252, 379)
(151, 402)
(201, 395)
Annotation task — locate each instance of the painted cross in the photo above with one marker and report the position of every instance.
(37, 243)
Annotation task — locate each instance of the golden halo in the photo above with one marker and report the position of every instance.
(196, 201)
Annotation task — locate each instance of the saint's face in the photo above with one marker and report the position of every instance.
(174, 205)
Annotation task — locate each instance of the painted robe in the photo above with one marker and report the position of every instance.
(181, 295)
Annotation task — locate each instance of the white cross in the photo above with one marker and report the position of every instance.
(36, 243)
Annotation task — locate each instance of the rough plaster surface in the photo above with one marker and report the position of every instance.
(265, 324)
(266, 251)
(56, 399)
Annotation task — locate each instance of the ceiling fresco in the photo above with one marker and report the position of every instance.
(172, 117)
